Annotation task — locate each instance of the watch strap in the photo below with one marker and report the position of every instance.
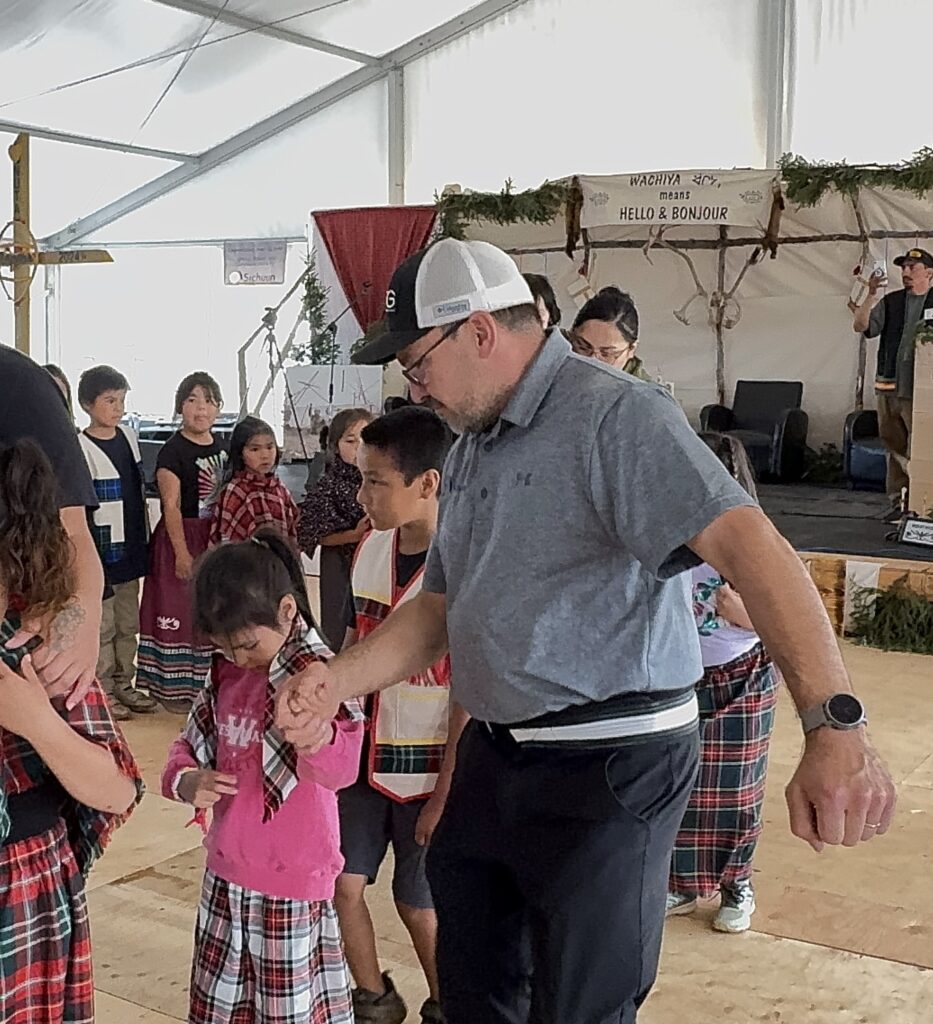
(813, 718)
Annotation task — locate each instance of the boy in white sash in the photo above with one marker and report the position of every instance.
(120, 527)
(412, 728)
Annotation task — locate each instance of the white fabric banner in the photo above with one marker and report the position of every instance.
(860, 576)
(740, 198)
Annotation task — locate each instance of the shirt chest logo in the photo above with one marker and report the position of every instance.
(239, 731)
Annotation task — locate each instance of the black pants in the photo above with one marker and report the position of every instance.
(549, 872)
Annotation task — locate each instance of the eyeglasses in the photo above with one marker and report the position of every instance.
(584, 348)
(412, 373)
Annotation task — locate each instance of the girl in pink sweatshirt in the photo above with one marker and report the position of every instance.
(267, 943)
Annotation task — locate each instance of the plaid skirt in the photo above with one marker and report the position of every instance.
(45, 941)
(720, 830)
(263, 960)
(171, 664)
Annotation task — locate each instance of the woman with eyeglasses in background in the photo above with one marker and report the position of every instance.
(606, 328)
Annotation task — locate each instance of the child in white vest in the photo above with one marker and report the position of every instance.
(120, 527)
(412, 728)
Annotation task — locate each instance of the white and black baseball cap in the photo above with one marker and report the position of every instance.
(440, 285)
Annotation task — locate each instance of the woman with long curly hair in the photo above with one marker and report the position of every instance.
(67, 778)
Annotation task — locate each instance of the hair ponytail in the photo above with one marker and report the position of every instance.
(36, 555)
(240, 586)
(732, 454)
(286, 554)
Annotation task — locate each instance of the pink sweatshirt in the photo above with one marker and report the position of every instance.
(296, 855)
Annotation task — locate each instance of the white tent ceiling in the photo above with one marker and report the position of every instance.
(185, 122)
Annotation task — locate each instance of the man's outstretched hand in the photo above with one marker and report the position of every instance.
(306, 705)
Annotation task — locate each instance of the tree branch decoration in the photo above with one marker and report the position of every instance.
(321, 348)
(533, 206)
(807, 183)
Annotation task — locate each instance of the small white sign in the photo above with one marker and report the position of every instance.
(255, 261)
(917, 531)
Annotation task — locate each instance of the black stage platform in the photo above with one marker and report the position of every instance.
(836, 520)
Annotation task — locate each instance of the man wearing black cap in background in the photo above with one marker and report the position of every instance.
(894, 317)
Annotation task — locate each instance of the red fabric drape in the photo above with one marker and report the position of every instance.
(367, 245)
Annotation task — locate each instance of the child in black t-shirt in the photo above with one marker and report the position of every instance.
(120, 528)
(188, 471)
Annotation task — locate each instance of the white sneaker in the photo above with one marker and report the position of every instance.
(735, 912)
(678, 905)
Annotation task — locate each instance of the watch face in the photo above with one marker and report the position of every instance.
(845, 709)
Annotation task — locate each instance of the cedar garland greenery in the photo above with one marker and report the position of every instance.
(534, 205)
(321, 348)
(896, 619)
(806, 183)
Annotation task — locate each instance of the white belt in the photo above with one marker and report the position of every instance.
(613, 728)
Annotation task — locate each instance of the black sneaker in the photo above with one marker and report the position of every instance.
(388, 1008)
(431, 1013)
(894, 516)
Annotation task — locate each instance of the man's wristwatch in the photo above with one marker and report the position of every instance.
(842, 711)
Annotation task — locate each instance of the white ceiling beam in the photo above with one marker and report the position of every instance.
(395, 97)
(15, 127)
(266, 129)
(228, 17)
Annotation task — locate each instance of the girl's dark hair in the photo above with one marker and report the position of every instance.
(612, 306)
(36, 555)
(248, 428)
(732, 454)
(339, 425)
(199, 379)
(541, 289)
(240, 586)
(58, 375)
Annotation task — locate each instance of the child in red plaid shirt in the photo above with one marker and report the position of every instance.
(67, 778)
(267, 942)
(252, 495)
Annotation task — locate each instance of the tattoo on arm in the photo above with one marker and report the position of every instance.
(65, 625)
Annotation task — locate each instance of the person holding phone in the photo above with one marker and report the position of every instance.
(892, 317)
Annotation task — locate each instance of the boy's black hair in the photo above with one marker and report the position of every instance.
(240, 586)
(415, 437)
(541, 289)
(198, 379)
(94, 382)
(248, 428)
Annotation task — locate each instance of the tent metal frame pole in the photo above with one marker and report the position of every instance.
(53, 312)
(395, 101)
(294, 114)
(779, 44)
(229, 17)
(90, 142)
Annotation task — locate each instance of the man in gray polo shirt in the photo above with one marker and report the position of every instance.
(572, 503)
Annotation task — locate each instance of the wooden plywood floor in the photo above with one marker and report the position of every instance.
(845, 937)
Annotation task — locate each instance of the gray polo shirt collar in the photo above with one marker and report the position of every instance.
(531, 390)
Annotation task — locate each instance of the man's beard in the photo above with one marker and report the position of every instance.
(477, 415)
